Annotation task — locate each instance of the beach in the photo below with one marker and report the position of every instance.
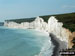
(58, 45)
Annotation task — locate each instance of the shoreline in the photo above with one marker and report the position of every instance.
(57, 42)
(58, 45)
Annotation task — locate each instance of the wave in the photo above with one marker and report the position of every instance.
(47, 49)
(25, 43)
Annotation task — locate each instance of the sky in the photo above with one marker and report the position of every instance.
(16, 9)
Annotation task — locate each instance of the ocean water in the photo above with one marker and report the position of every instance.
(21, 42)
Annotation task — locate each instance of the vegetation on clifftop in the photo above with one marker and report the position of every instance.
(68, 20)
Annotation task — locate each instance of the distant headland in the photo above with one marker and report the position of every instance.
(68, 20)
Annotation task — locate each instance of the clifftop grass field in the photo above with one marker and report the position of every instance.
(68, 20)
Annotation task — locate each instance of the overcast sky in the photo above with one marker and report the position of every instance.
(15, 9)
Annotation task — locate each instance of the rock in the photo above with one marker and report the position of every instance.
(53, 26)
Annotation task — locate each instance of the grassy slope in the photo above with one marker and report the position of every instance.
(68, 20)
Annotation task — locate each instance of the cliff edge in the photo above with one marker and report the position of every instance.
(52, 26)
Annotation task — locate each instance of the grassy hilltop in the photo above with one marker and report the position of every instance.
(68, 20)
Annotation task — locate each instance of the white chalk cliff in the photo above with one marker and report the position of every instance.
(53, 26)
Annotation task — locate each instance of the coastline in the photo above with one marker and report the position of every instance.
(58, 45)
(53, 25)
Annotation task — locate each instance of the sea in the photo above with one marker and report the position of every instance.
(24, 42)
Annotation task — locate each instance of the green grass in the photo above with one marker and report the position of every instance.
(68, 20)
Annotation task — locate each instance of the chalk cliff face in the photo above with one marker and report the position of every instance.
(53, 26)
